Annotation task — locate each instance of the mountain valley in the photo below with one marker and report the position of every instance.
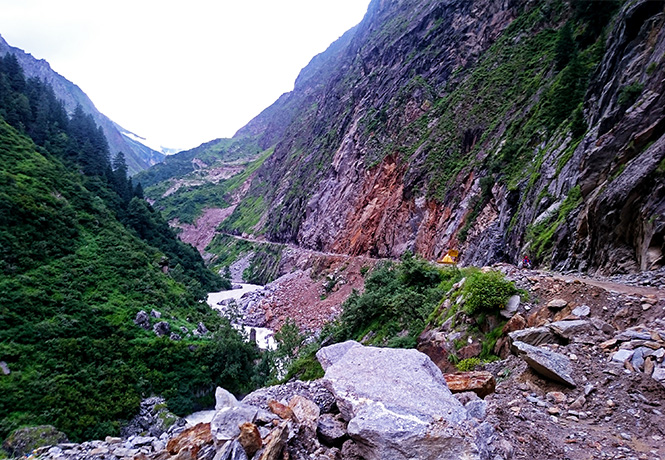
(457, 196)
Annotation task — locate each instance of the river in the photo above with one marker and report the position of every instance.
(264, 337)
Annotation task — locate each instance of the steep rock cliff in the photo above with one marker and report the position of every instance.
(501, 129)
(452, 124)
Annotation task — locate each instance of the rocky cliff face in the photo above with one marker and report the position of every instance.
(138, 156)
(501, 129)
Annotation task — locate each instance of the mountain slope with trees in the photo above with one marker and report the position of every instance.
(138, 156)
(81, 254)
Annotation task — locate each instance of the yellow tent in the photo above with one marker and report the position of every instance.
(450, 258)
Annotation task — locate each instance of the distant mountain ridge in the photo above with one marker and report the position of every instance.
(138, 156)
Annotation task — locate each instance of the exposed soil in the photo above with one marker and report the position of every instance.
(313, 291)
(202, 232)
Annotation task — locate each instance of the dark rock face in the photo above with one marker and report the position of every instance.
(621, 223)
(363, 126)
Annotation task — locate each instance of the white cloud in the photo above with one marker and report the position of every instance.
(179, 72)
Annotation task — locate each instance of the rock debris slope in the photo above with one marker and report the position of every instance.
(606, 401)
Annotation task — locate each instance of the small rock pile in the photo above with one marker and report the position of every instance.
(640, 349)
(655, 278)
(153, 419)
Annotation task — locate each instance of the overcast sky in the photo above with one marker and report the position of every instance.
(179, 73)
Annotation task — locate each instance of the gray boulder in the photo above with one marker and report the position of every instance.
(161, 328)
(582, 310)
(568, 330)
(232, 451)
(142, 320)
(511, 307)
(225, 424)
(328, 356)
(224, 399)
(4, 368)
(399, 407)
(547, 363)
(533, 336)
(331, 430)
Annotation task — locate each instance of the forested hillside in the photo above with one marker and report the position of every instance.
(81, 253)
(138, 156)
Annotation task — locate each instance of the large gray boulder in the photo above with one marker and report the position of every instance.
(399, 407)
(533, 336)
(547, 363)
(328, 356)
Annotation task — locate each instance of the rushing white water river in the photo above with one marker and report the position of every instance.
(264, 336)
(202, 416)
(215, 297)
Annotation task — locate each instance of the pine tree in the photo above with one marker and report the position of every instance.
(121, 184)
(565, 47)
(138, 191)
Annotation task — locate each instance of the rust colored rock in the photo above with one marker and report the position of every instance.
(191, 440)
(502, 347)
(436, 350)
(276, 442)
(516, 323)
(481, 383)
(538, 317)
(282, 411)
(250, 439)
(470, 351)
(305, 410)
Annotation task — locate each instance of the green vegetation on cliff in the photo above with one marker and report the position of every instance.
(402, 299)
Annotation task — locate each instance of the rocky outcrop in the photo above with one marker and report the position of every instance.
(24, 440)
(153, 419)
(398, 406)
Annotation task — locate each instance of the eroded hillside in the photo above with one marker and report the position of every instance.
(501, 129)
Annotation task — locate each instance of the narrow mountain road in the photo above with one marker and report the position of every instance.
(621, 288)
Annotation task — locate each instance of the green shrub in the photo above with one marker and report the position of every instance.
(397, 297)
(468, 364)
(651, 68)
(486, 292)
(629, 94)
(305, 367)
